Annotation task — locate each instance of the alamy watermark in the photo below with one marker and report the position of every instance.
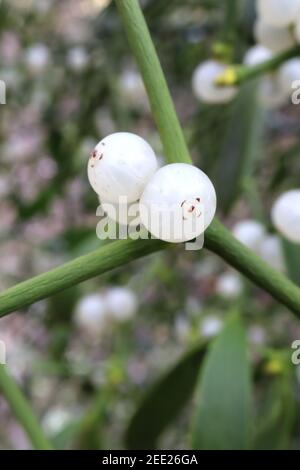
(2, 92)
(178, 222)
(296, 353)
(296, 94)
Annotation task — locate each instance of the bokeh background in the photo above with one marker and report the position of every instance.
(71, 80)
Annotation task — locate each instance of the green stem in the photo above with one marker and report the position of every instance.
(22, 410)
(78, 270)
(217, 239)
(220, 241)
(157, 89)
(237, 74)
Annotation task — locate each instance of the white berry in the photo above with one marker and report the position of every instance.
(37, 58)
(210, 326)
(91, 314)
(250, 233)
(122, 212)
(229, 285)
(132, 90)
(121, 165)
(286, 215)
(271, 252)
(77, 58)
(203, 83)
(278, 12)
(121, 303)
(289, 72)
(178, 203)
(277, 39)
(257, 55)
(271, 93)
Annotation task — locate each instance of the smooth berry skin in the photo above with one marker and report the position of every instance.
(250, 233)
(271, 252)
(257, 54)
(289, 73)
(91, 314)
(229, 285)
(204, 87)
(277, 39)
(285, 215)
(120, 166)
(178, 189)
(121, 303)
(278, 12)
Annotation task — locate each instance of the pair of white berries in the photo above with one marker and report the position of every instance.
(124, 165)
(95, 311)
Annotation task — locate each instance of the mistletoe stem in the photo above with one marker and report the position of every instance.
(22, 410)
(238, 74)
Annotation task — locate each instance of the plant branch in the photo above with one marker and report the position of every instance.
(157, 89)
(238, 74)
(78, 270)
(22, 410)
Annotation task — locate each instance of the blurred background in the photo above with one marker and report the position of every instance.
(71, 80)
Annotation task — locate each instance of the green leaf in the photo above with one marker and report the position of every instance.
(164, 401)
(241, 146)
(223, 395)
(292, 259)
(273, 430)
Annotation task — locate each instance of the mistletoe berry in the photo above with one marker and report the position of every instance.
(91, 314)
(275, 38)
(289, 73)
(121, 303)
(204, 86)
(286, 215)
(178, 203)
(278, 12)
(121, 165)
(250, 233)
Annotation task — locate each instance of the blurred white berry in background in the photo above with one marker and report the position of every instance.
(77, 58)
(277, 39)
(257, 335)
(278, 12)
(271, 93)
(121, 165)
(286, 215)
(257, 54)
(203, 83)
(271, 251)
(121, 303)
(178, 203)
(37, 58)
(132, 90)
(250, 233)
(56, 419)
(229, 285)
(289, 72)
(210, 326)
(91, 314)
